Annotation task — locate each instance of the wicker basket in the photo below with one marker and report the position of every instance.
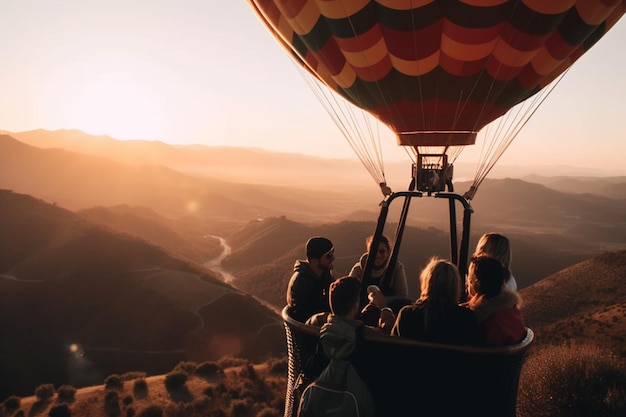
(407, 377)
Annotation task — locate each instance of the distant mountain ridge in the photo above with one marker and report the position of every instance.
(79, 181)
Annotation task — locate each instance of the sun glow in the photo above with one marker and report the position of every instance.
(115, 103)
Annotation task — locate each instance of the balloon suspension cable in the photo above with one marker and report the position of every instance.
(360, 129)
(507, 129)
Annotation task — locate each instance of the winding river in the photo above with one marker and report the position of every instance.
(215, 264)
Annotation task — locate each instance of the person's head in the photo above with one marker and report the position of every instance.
(382, 253)
(486, 276)
(494, 245)
(320, 253)
(344, 296)
(440, 281)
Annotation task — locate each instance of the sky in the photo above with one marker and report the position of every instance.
(208, 72)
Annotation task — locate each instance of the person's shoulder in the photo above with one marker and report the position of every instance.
(302, 266)
(318, 319)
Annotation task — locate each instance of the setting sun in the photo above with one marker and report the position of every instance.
(116, 103)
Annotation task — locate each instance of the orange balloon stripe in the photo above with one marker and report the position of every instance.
(435, 65)
(592, 12)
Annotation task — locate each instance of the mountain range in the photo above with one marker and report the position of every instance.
(105, 246)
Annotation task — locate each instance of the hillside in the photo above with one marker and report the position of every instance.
(228, 387)
(127, 305)
(584, 302)
(186, 238)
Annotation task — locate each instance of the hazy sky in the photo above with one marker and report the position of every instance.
(207, 72)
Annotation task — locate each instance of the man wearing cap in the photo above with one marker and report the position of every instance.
(307, 292)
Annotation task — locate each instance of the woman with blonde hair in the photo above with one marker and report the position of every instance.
(497, 246)
(437, 316)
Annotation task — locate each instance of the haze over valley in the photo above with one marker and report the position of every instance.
(105, 244)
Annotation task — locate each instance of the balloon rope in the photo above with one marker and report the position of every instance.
(509, 126)
(352, 127)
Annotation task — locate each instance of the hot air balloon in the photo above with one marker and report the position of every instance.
(437, 73)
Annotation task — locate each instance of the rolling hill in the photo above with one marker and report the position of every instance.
(126, 304)
(581, 303)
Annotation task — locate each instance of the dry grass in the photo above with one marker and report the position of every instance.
(574, 380)
(238, 388)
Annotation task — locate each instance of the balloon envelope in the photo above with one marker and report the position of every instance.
(437, 71)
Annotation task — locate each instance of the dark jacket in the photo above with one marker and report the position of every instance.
(458, 325)
(499, 318)
(307, 293)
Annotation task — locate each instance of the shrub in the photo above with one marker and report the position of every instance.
(175, 380)
(62, 410)
(209, 392)
(12, 403)
(207, 369)
(66, 393)
(576, 380)
(127, 400)
(249, 372)
(277, 366)
(241, 408)
(44, 392)
(178, 409)
(129, 376)
(186, 366)
(130, 412)
(140, 388)
(114, 381)
(151, 410)
(112, 404)
(229, 361)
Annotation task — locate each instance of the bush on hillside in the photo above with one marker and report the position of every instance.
(12, 403)
(229, 361)
(129, 376)
(66, 393)
(241, 408)
(44, 392)
(187, 367)
(207, 369)
(278, 366)
(175, 380)
(61, 410)
(140, 388)
(114, 381)
(112, 404)
(151, 410)
(572, 381)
